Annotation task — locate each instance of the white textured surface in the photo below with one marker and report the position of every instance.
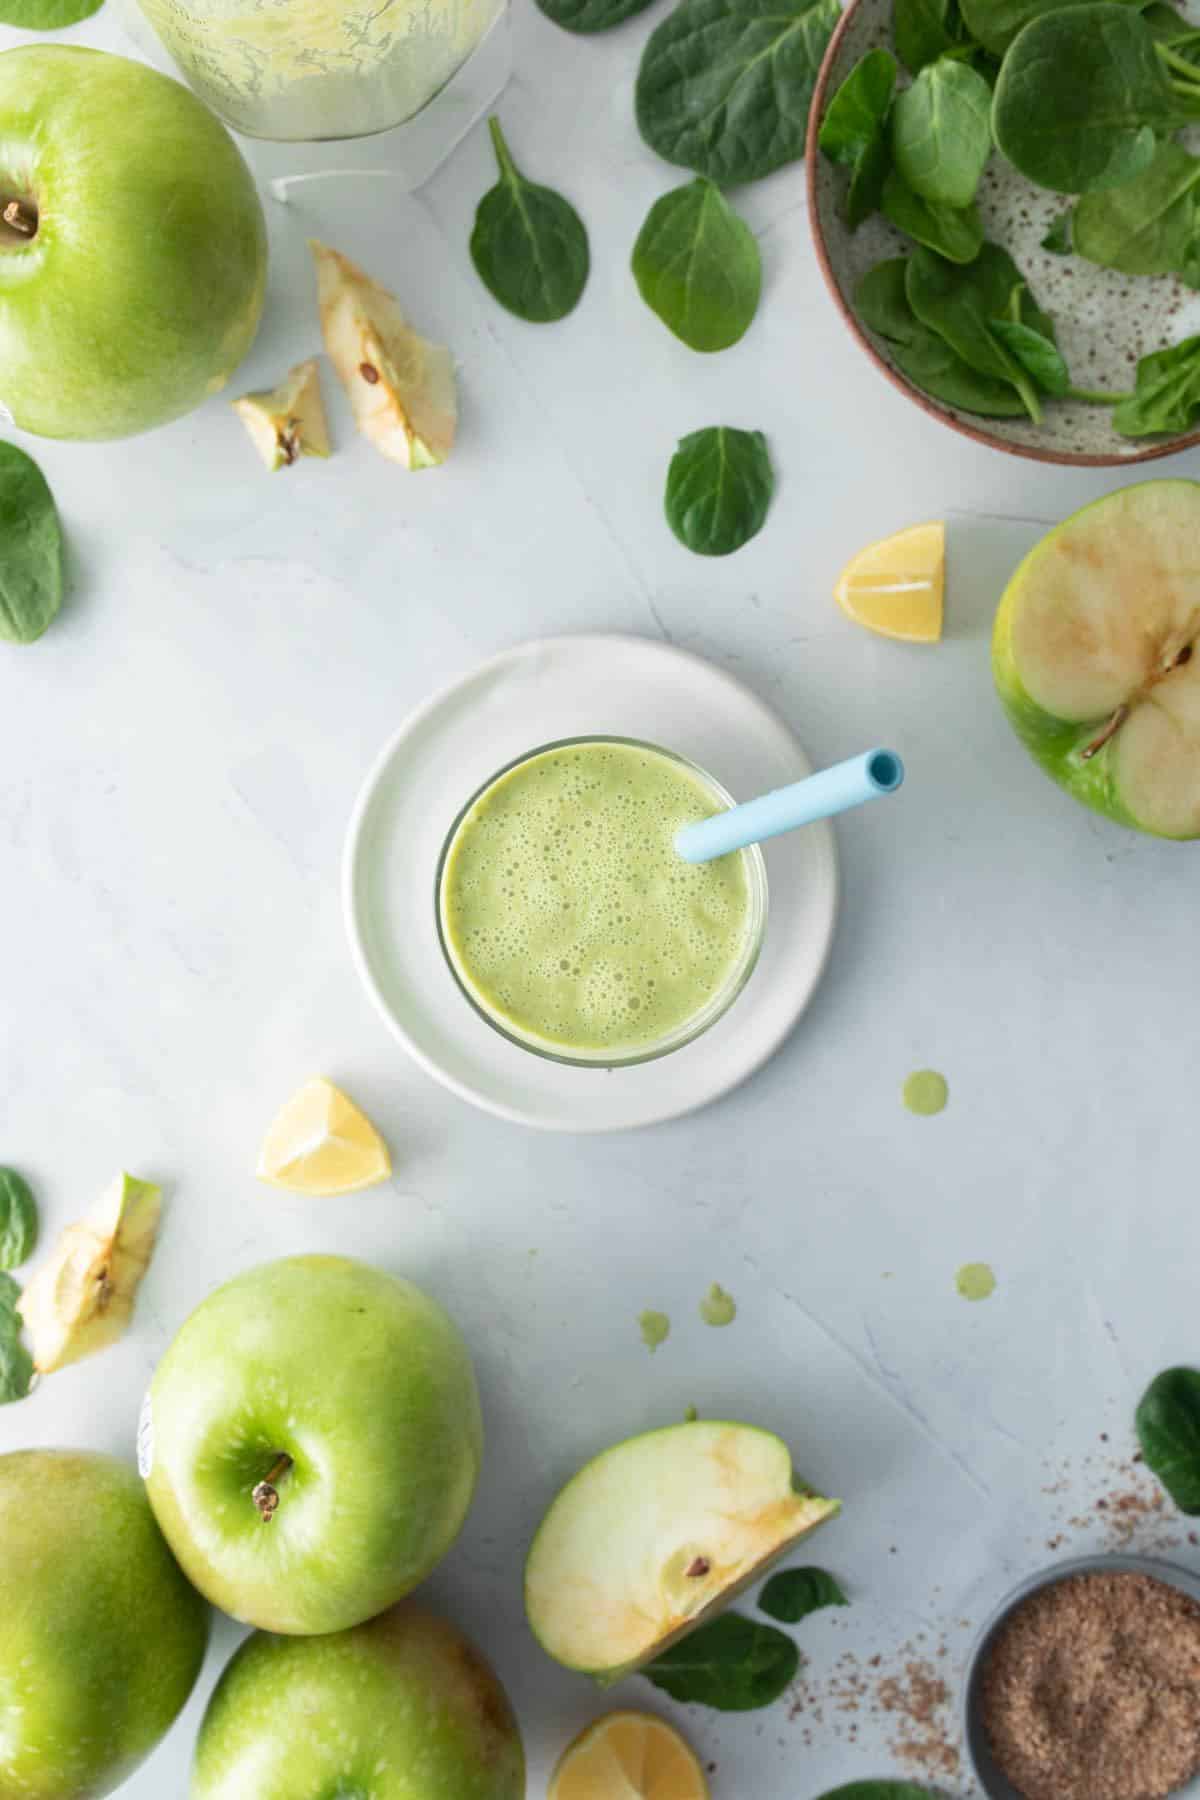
(180, 755)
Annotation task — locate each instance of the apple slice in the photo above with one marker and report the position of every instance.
(1095, 656)
(287, 422)
(657, 1534)
(400, 386)
(81, 1299)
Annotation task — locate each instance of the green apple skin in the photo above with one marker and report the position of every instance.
(402, 1708)
(143, 287)
(1053, 743)
(367, 1385)
(101, 1638)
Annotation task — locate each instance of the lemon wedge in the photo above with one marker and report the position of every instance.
(632, 1755)
(321, 1143)
(896, 587)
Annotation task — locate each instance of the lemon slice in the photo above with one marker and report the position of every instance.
(628, 1756)
(896, 587)
(321, 1143)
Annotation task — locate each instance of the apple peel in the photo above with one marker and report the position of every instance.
(288, 421)
(81, 1300)
(401, 386)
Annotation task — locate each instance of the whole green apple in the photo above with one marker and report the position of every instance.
(402, 1708)
(312, 1440)
(133, 252)
(101, 1638)
(1095, 656)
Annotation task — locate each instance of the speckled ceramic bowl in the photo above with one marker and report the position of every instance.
(1106, 321)
(995, 1785)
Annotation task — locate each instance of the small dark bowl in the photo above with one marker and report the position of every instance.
(994, 1784)
(1106, 320)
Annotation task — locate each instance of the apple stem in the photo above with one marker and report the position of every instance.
(266, 1495)
(21, 218)
(1110, 731)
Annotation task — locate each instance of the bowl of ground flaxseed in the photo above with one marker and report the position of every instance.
(1085, 1685)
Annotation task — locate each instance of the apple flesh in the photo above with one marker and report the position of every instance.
(402, 1708)
(1096, 655)
(653, 1537)
(133, 249)
(101, 1638)
(313, 1439)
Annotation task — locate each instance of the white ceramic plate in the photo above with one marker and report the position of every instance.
(568, 687)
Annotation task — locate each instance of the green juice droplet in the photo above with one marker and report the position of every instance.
(655, 1329)
(718, 1307)
(976, 1281)
(926, 1092)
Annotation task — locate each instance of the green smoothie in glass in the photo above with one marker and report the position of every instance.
(568, 918)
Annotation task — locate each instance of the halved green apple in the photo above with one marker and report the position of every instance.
(654, 1536)
(1096, 655)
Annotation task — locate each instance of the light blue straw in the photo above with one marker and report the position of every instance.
(818, 796)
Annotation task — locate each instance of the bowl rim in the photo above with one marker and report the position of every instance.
(977, 434)
(1113, 1562)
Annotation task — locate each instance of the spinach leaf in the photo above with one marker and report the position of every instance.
(1058, 240)
(46, 15)
(1166, 397)
(1083, 98)
(16, 1364)
(31, 549)
(854, 131)
(697, 265)
(942, 134)
(18, 1220)
(587, 16)
(1170, 29)
(794, 1593)
(995, 23)
(1166, 25)
(959, 302)
(725, 86)
(878, 1790)
(1025, 310)
(881, 301)
(529, 245)
(921, 355)
(719, 486)
(924, 30)
(1146, 226)
(955, 234)
(1039, 356)
(733, 1664)
(1168, 1428)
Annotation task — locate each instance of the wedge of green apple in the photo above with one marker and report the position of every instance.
(400, 386)
(654, 1536)
(1096, 655)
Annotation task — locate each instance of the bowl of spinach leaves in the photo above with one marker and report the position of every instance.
(1004, 196)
